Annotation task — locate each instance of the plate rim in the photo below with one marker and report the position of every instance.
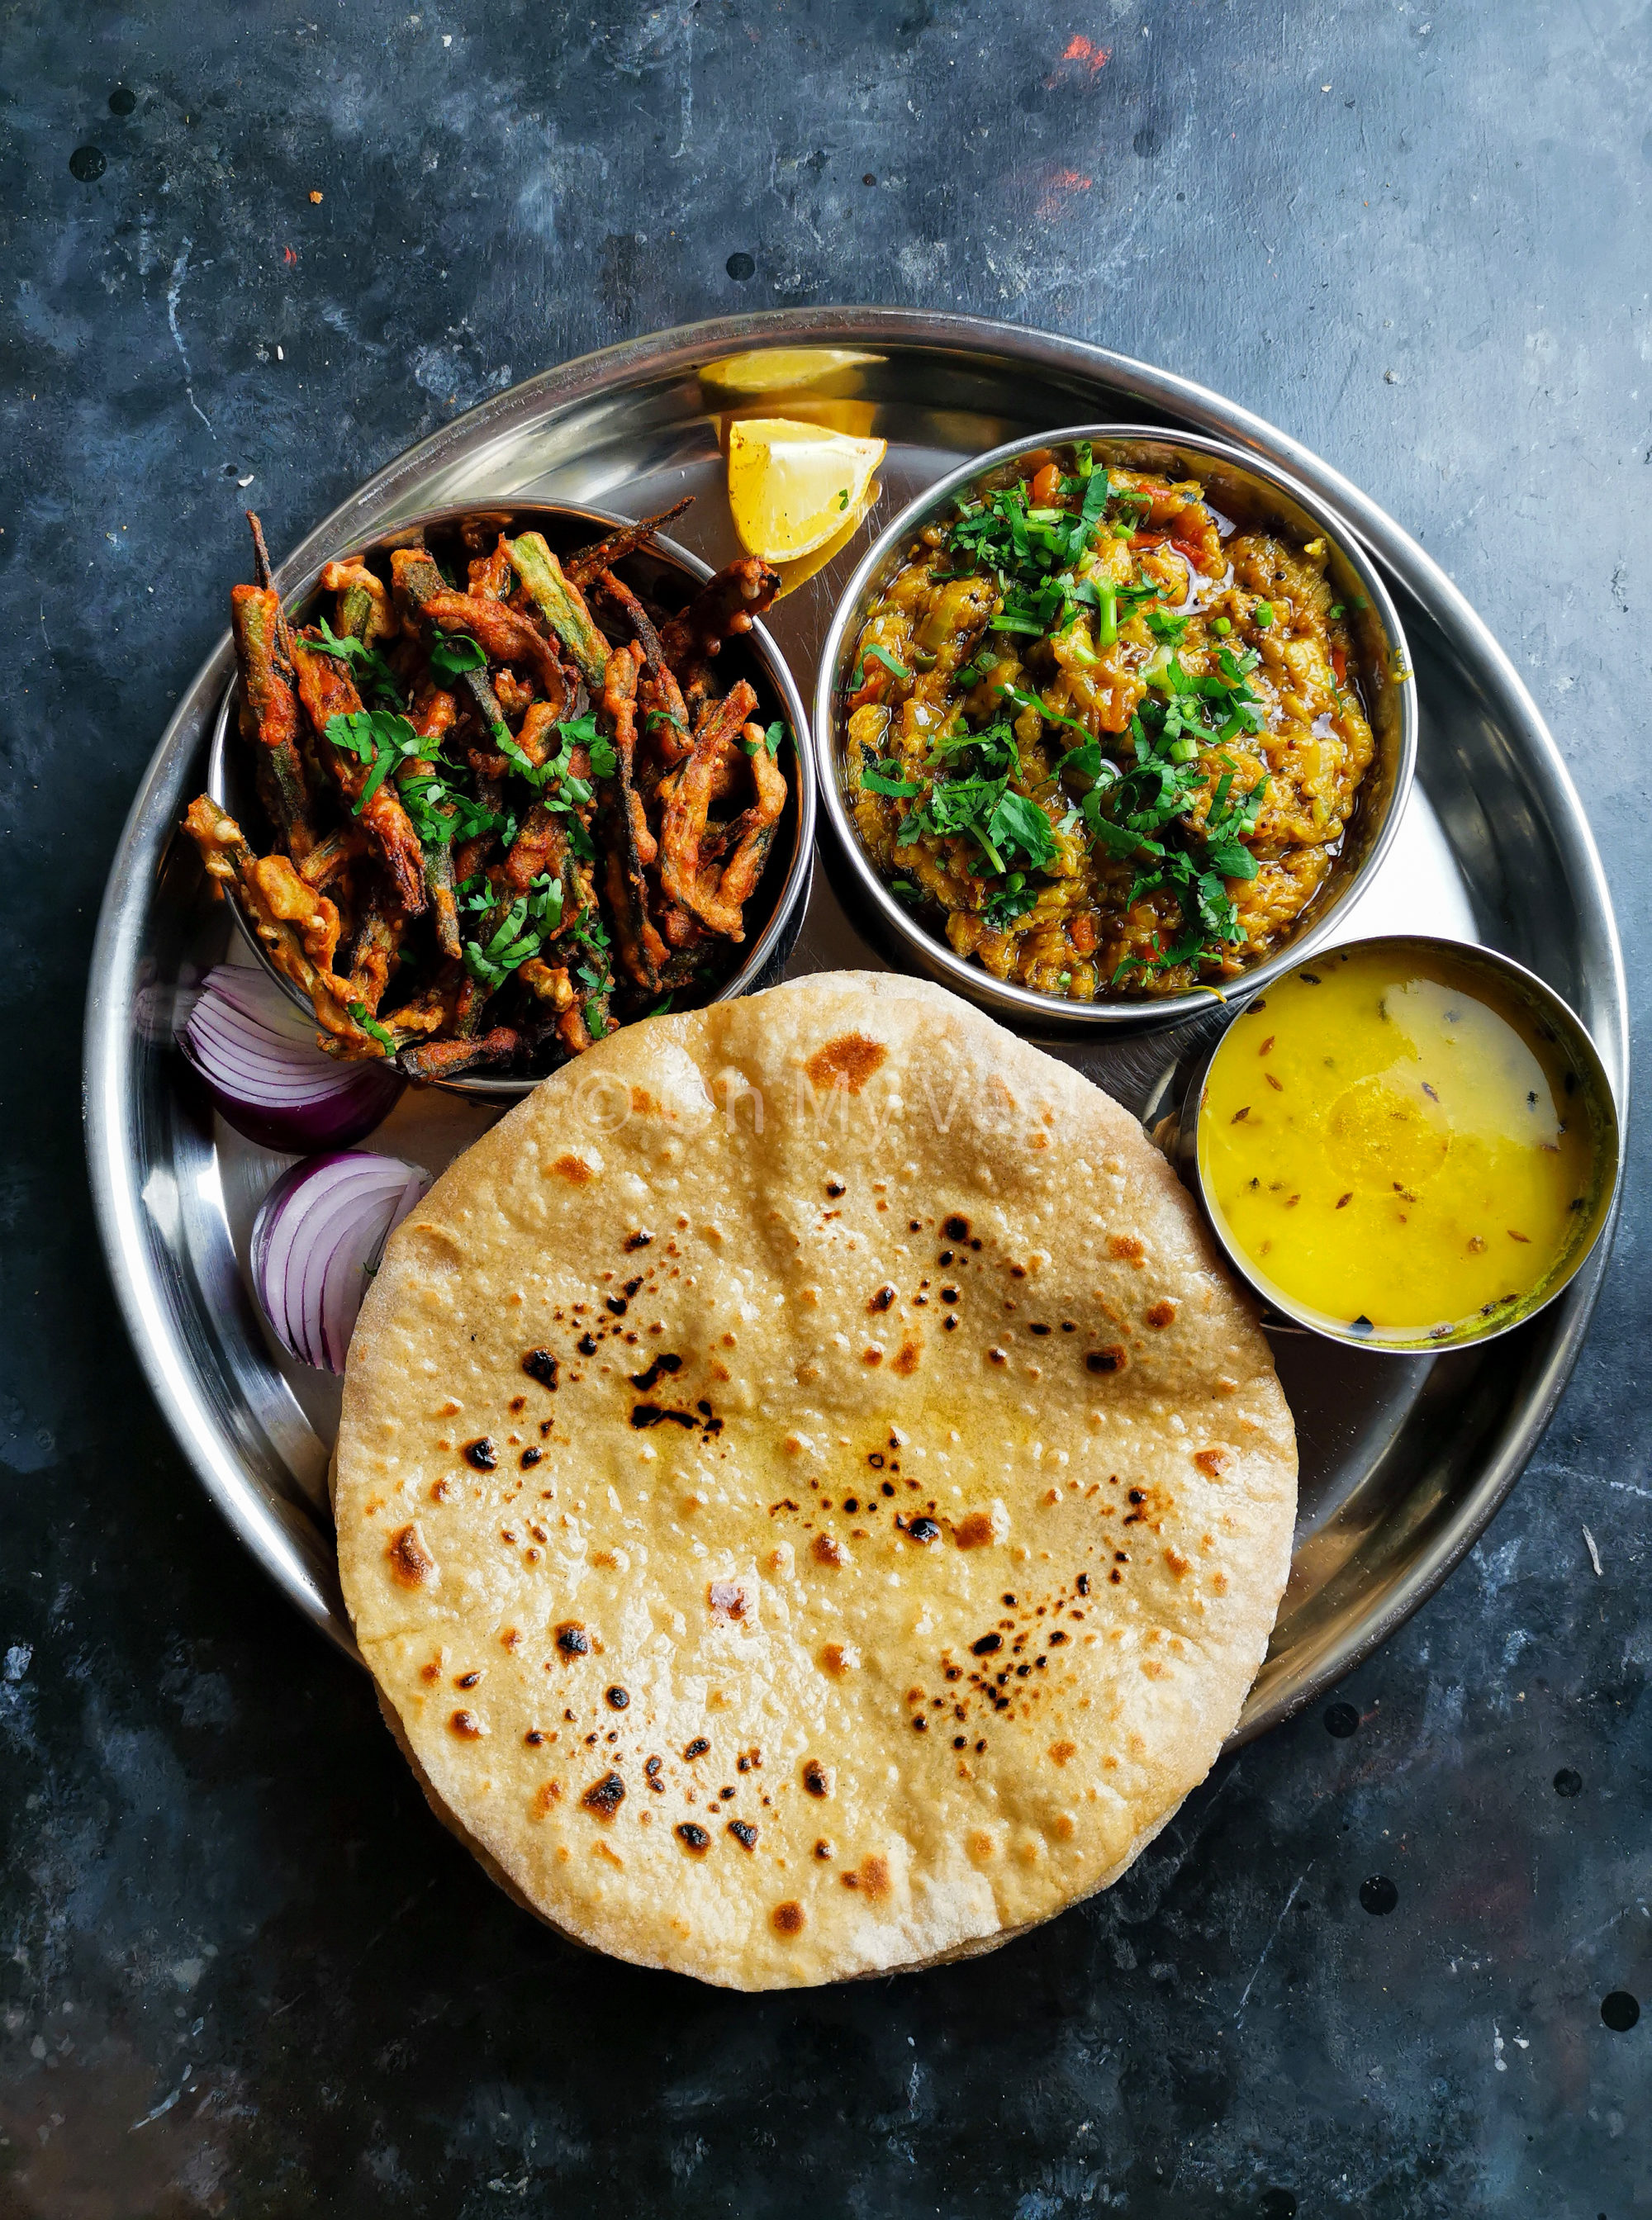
(108, 1037)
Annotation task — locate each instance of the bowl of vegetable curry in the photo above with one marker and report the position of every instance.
(1112, 722)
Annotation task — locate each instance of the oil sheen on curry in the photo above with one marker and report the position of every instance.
(1106, 741)
(1394, 1151)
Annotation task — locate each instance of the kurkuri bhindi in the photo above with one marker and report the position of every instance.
(509, 807)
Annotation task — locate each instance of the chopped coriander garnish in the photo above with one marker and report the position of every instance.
(520, 932)
(382, 738)
(771, 741)
(1164, 626)
(886, 778)
(1335, 611)
(451, 654)
(368, 666)
(875, 654)
(370, 1026)
(986, 808)
(1012, 898)
(1053, 716)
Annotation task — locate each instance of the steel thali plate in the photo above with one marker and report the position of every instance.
(1404, 1459)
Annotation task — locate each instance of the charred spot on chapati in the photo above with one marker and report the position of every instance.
(604, 1796)
(411, 1564)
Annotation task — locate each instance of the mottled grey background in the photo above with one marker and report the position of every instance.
(241, 1971)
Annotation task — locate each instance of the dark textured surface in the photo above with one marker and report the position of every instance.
(240, 1969)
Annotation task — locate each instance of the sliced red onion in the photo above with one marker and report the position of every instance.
(317, 1239)
(257, 1053)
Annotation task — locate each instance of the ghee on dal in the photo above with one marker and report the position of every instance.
(1396, 1147)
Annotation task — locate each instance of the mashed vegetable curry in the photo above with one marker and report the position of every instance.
(1106, 741)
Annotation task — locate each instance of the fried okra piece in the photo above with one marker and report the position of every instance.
(581, 568)
(431, 1010)
(663, 712)
(625, 891)
(503, 635)
(445, 1059)
(327, 691)
(433, 712)
(561, 604)
(268, 707)
(723, 608)
(745, 840)
(364, 611)
(296, 925)
(687, 878)
(377, 947)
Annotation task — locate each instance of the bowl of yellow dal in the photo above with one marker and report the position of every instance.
(1404, 1144)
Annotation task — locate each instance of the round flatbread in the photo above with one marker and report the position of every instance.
(808, 1492)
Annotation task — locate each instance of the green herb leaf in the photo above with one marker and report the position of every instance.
(873, 653)
(1052, 716)
(451, 654)
(370, 1026)
(1017, 823)
(367, 666)
(378, 738)
(1008, 901)
(886, 778)
(545, 904)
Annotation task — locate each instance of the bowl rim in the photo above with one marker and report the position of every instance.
(1048, 1014)
(795, 886)
(1598, 1091)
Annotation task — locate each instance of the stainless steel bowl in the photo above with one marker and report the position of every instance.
(1559, 1023)
(658, 571)
(1247, 485)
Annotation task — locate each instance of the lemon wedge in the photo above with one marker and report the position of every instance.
(799, 572)
(854, 418)
(779, 370)
(792, 486)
